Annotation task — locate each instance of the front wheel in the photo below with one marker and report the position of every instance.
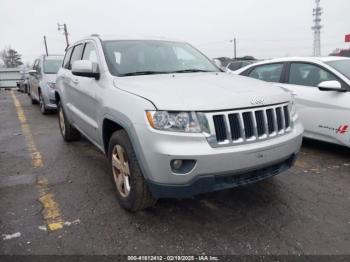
(43, 108)
(131, 188)
(34, 102)
(68, 132)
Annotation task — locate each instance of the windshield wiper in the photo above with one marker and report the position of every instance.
(191, 71)
(137, 73)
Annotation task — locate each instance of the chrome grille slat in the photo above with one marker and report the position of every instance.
(255, 125)
(248, 125)
(275, 120)
(266, 123)
(242, 126)
(227, 127)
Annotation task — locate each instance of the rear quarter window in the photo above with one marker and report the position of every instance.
(268, 73)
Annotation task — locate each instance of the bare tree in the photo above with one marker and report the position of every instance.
(11, 58)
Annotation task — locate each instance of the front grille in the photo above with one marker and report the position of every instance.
(248, 125)
(220, 131)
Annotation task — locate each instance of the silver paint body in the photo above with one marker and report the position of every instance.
(124, 100)
(40, 82)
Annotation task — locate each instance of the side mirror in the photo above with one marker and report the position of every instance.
(85, 68)
(32, 72)
(330, 86)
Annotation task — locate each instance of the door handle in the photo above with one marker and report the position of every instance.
(75, 81)
(294, 94)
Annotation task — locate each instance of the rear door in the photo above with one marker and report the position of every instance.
(34, 80)
(71, 94)
(63, 82)
(324, 114)
(87, 93)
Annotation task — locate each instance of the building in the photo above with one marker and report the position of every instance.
(9, 77)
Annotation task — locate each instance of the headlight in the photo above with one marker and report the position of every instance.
(293, 110)
(51, 85)
(174, 121)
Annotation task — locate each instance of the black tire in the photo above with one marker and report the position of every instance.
(43, 108)
(34, 102)
(139, 197)
(68, 132)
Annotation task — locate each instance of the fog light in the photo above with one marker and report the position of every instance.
(176, 164)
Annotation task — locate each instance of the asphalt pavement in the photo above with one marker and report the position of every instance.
(58, 198)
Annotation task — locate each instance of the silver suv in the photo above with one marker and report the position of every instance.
(172, 124)
(42, 81)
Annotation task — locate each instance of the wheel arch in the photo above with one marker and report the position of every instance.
(57, 97)
(108, 128)
(111, 125)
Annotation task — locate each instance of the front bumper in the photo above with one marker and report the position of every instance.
(157, 149)
(210, 183)
(49, 98)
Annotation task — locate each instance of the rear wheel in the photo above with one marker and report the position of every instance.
(131, 188)
(68, 132)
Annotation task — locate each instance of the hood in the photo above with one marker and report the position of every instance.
(49, 78)
(201, 91)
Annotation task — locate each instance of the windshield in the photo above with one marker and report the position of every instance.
(51, 66)
(138, 57)
(343, 66)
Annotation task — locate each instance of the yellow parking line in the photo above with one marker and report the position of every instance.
(51, 211)
(33, 151)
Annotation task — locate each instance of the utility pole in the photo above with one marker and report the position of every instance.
(317, 12)
(47, 53)
(65, 31)
(234, 41)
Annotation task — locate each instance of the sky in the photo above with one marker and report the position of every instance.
(263, 28)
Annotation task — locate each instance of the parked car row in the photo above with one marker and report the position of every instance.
(42, 81)
(173, 124)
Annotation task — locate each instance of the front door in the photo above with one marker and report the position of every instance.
(324, 114)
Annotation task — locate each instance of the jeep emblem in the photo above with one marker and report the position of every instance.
(257, 101)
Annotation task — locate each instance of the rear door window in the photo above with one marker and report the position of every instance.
(268, 73)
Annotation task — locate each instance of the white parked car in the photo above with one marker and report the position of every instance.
(321, 88)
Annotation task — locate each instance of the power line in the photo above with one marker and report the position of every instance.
(47, 52)
(65, 32)
(317, 12)
(234, 41)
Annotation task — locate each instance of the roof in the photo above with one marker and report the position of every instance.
(5, 69)
(48, 57)
(307, 59)
(133, 37)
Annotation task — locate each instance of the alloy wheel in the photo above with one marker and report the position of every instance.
(121, 170)
(62, 123)
(42, 104)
